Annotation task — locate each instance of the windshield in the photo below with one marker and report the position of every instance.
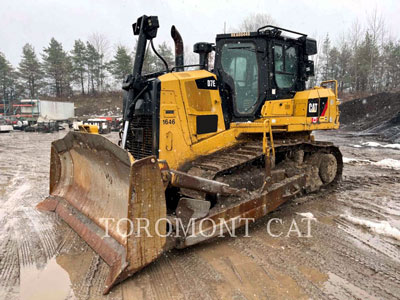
(239, 61)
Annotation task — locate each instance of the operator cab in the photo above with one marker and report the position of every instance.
(256, 66)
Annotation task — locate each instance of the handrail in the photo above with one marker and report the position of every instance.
(331, 81)
(280, 28)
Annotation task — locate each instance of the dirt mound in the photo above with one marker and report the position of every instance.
(389, 129)
(105, 104)
(378, 114)
(101, 104)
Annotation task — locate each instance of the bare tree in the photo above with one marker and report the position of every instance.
(102, 46)
(255, 21)
(377, 29)
(376, 26)
(191, 58)
(356, 34)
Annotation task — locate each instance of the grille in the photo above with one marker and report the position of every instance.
(140, 137)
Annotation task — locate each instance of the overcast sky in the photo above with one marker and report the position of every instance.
(36, 22)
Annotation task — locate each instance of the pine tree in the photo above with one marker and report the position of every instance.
(7, 77)
(92, 59)
(122, 63)
(333, 57)
(149, 63)
(365, 54)
(78, 56)
(30, 71)
(58, 68)
(68, 76)
(391, 63)
(165, 52)
(344, 66)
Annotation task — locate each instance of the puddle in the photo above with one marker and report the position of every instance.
(51, 282)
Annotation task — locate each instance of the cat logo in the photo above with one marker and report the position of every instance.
(312, 107)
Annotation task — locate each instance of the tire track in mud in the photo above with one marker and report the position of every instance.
(163, 280)
(380, 272)
(374, 197)
(193, 274)
(382, 246)
(328, 254)
(373, 210)
(69, 238)
(257, 277)
(139, 286)
(256, 250)
(42, 227)
(35, 238)
(357, 270)
(9, 269)
(28, 236)
(360, 264)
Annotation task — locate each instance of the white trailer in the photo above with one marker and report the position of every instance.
(48, 110)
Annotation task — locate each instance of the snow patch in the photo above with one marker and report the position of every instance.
(381, 227)
(347, 160)
(371, 144)
(356, 146)
(388, 163)
(384, 163)
(392, 146)
(375, 144)
(307, 215)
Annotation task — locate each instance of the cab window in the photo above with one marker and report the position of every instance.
(239, 61)
(285, 60)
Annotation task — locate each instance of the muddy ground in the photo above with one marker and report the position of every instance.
(354, 251)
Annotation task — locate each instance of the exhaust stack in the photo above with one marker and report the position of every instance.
(179, 62)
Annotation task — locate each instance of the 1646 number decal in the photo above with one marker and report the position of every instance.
(168, 122)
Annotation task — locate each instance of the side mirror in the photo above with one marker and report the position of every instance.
(310, 46)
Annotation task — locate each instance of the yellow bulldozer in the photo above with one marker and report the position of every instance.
(201, 151)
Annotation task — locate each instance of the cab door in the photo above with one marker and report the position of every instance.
(239, 63)
(285, 65)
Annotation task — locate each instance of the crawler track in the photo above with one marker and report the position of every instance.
(238, 158)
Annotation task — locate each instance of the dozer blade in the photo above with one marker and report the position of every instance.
(96, 187)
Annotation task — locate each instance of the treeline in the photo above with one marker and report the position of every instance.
(85, 68)
(365, 60)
